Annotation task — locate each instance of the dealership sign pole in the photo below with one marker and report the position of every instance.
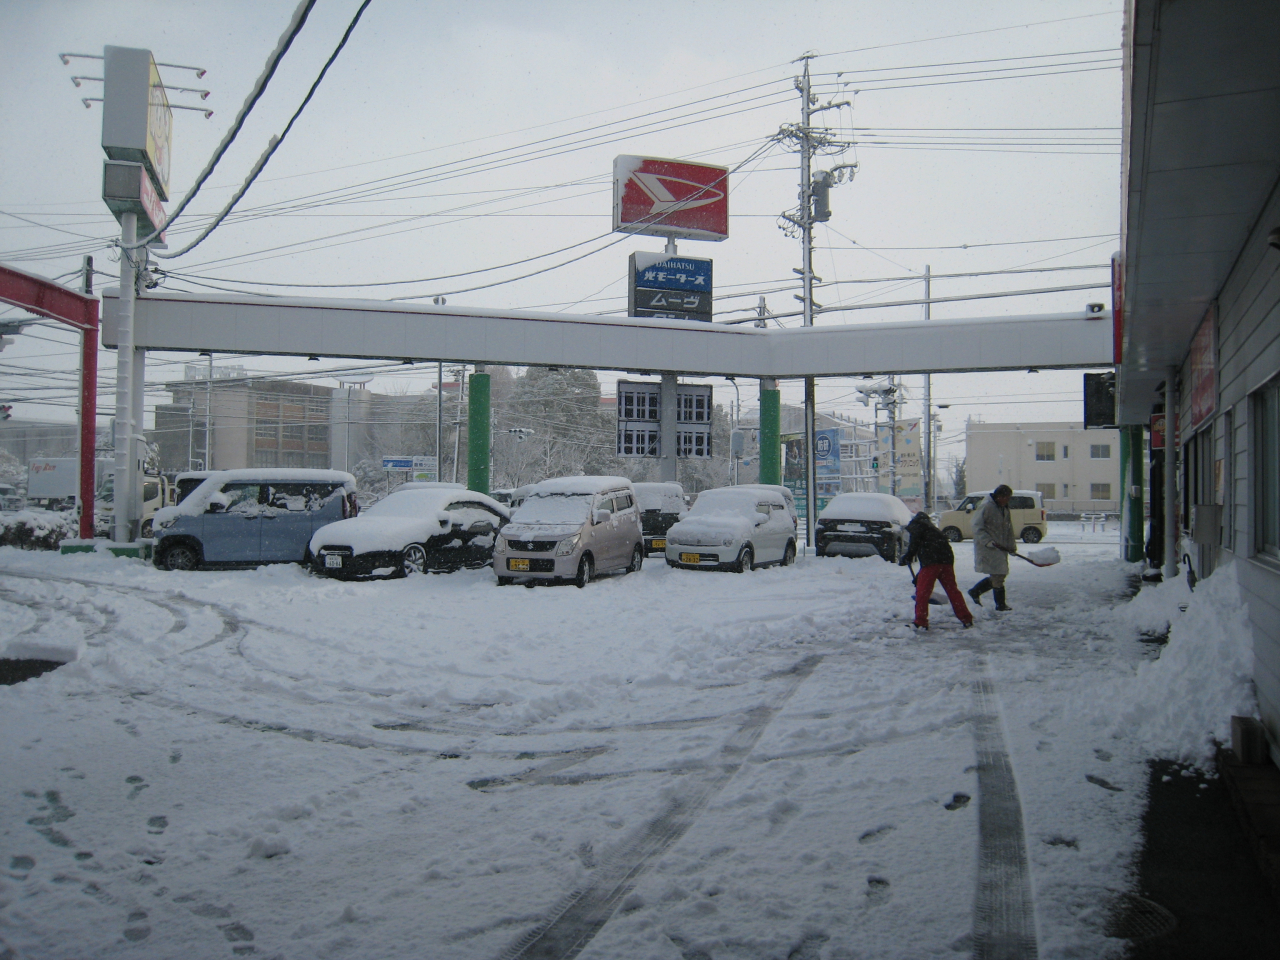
(669, 198)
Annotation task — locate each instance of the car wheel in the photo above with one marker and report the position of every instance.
(1031, 535)
(181, 556)
(147, 529)
(637, 559)
(585, 570)
(506, 581)
(953, 534)
(746, 561)
(415, 559)
(789, 554)
(820, 550)
(671, 563)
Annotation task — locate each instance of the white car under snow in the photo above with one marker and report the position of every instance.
(736, 528)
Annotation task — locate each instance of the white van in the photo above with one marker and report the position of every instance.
(570, 529)
(1026, 509)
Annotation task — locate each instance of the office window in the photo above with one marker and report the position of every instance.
(1099, 451)
(1266, 469)
(1045, 490)
(293, 431)
(317, 433)
(1045, 451)
(1065, 450)
(266, 429)
(1099, 491)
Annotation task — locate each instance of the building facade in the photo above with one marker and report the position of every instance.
(1076, 470)
(1199, 286)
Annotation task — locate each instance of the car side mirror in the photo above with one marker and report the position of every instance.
(968, 508)
(601, 516)
(481, 526)
(216, 507)
(760, 518)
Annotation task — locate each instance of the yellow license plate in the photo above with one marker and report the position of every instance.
(659, 544)
(689, 558)
(515, 564)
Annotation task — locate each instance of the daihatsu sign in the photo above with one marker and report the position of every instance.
(670, 198)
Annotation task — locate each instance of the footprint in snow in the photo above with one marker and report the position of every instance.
(138, 786)
(1104, 784)
(958, 801)
(877, 890)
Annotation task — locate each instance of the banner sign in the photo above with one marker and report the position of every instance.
(1203, 373)
(670, 198)
(905, 447)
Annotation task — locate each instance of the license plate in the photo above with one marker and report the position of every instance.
(333, 560)
(689, 558)
(517, 564)
(659, 544)
(852, 528)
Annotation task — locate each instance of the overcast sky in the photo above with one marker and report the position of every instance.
(456, 137)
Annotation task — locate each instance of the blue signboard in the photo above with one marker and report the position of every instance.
(397, 463)
(673, 273)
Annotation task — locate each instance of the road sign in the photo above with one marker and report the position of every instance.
(674, 304)
(670, 198)
(397, 463)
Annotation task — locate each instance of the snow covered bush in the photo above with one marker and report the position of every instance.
(36, 531)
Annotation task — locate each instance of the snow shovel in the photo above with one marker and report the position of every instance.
(1044, 557)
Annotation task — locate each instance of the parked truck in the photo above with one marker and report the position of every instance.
(54, 482)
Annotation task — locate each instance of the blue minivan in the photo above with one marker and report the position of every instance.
(242, 518)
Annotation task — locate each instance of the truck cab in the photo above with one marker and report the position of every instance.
(155, 494)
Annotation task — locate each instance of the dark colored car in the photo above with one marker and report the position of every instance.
(661, 505)
(415, 529)
(863, 525)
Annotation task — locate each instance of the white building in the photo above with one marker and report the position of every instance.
(1076, 470)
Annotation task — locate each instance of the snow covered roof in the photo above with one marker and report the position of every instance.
(578, 485)
(426, 501)
(660, 496)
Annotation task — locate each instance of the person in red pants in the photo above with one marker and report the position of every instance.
(932, 549)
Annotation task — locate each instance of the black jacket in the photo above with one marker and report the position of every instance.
(928, 544)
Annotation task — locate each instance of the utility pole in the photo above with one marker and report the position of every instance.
(927, 466)
(814, 207)
(122, 483)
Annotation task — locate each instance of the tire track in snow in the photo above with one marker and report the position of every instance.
(1004, 923)
(579, 916)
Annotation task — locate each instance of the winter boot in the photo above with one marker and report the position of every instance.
(978, 589)
(1000, 604)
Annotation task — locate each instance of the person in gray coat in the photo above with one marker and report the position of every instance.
(992, 543)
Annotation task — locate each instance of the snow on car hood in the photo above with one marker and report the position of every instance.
(368, 534)
(866, 506)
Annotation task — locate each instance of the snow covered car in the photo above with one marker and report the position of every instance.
(421, 528)
(569, 528)
(863, 525)
(661, 505)
(735, 528)
(241, 518)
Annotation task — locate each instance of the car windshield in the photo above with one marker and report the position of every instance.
(555, 508)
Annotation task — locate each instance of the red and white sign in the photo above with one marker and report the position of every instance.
(670, 198)
(1203, 373)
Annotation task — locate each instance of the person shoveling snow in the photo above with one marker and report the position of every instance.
(936, 565)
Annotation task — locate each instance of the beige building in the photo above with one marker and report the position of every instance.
(1076, 470)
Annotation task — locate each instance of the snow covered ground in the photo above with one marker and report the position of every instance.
(671, 764)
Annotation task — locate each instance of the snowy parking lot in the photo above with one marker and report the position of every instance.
(669, 764)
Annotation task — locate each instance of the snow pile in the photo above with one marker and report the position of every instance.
(1045, 556)
(36, 529)
(1178, 705)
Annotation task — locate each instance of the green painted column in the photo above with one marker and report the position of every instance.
(770, 432)
(478, 432)
(1132, 445)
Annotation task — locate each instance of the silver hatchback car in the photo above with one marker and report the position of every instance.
(570, 529)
